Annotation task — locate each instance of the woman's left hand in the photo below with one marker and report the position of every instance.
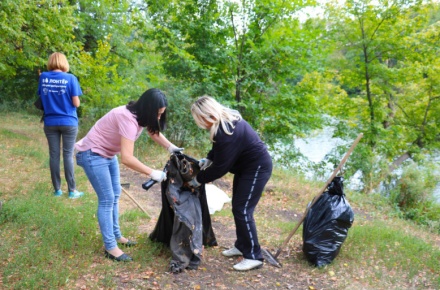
(204, 163)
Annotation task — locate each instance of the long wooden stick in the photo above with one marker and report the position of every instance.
(335, 172)
(135, 201)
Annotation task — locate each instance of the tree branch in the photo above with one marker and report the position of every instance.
(396, 163)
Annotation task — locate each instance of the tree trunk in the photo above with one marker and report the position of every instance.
(396, 163)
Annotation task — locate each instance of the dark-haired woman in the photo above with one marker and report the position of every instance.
(115, 133)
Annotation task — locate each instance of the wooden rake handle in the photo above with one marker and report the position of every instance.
(135, 201)
(335, 172)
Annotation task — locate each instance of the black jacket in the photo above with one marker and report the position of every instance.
(234, 153)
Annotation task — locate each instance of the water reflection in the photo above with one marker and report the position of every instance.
(318, 145)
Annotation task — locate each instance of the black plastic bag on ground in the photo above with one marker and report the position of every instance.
(184, 223)
(326, 225)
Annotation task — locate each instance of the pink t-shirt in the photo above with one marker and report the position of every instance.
(105, 136)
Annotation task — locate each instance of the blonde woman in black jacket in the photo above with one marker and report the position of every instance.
(236, 148)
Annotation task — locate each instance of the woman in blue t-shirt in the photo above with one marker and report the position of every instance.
(59, 92)
(236, 148)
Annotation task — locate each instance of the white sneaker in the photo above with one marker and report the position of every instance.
(248, 264)
(232, 252)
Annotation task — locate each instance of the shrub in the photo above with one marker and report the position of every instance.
(413, 195)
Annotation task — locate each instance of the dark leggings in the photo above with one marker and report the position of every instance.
(247, 190)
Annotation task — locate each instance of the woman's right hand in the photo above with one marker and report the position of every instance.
(158, 175)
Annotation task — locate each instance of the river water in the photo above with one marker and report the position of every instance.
(315, 147)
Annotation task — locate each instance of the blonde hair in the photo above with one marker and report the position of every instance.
(57, 60)
(207, 109)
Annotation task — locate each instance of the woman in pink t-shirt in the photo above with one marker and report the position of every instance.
(115, 133)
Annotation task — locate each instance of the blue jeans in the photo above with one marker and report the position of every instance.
(54, 135)
(103, 174)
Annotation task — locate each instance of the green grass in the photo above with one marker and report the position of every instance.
(132, 216)
(49, 231)
(396, 247)
(47, 242)
(12, 135)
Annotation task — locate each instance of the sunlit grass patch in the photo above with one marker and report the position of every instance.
(225, 212)
(133, 216)
(6, 133)
(378, 245)
(28, 152)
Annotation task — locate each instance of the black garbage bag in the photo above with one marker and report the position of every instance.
(184, 222)
(326, 225)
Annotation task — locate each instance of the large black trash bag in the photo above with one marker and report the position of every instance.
(184, 223)
(326, 225)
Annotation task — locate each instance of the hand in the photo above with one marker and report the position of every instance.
(194, 182)
(174, 149)
(204, 163)
(158, 175)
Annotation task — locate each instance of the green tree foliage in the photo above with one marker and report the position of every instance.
(100, 93)
(251, 55)
(389, 96)
(122, 28)
(190, 36)
(371, 65)
(418, 88)
(30, 31)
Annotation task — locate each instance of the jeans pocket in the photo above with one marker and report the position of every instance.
(79, 158)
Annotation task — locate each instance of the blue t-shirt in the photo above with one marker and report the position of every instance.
(56, 90)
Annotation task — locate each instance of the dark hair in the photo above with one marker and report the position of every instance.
(146, 110)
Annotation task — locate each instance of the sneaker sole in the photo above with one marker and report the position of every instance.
(254, 268)
(234, 255)
(231, 255)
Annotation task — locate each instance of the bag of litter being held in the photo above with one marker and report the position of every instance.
(326, 225)
(184, 223)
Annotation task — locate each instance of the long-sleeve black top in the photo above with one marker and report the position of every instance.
(233, 153)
